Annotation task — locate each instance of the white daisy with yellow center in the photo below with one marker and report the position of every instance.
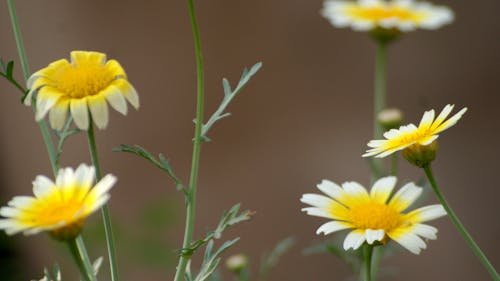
(403, 15)
(86, 83)
(426, 132)
(373, 216)
(59, 207)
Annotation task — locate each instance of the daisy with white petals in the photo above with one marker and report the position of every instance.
(426, 132)
(86, 83)
(403, 15)
(372, 216)
(59, 207)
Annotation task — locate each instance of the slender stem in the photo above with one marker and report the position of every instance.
(193, 178)
(82, 250)
(380, 96)
(394, 164)
(367, 265)
(108, 229)
(379, 100)
(19, 39)
(86, 270)
(461, 229)
(26, 72)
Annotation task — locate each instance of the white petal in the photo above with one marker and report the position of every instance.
(21, 201)
(405, 196)
(115, 99)
(331, 189)
(99, 109)
(354, 240)
(80, 113)
(411, 242)
(332, 226)
(428, 213)
(9, 212)
(42, 185)
(382, 189)
(103, 186)
(316, 200)
(426, 231)
(317, 212)
(374, 235)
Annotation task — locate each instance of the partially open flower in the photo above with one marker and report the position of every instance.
(398, 15)
(425, 134)
(86, 83)
(374, 217)
(59, 207)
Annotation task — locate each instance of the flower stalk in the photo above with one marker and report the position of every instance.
(367, 265)
(193, 178)
(26, 73)
(86, 270)
(108, 229)
(460, 227)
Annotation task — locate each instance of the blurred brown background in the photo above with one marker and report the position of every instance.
(307, 115)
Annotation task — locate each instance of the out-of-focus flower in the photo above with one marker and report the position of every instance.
(373, 217)
(406, 136)
(402, 15)
(59, 207)
(86, 83)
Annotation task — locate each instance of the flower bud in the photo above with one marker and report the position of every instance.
(390, 118)
(420, 155)
(236, 263)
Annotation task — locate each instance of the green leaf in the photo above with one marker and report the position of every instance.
(162, 163)
(9, 70)
(212, 260)
(271, 260)
(229, 218)
(229, 96)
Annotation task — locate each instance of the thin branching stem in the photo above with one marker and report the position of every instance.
(108, 229)
(193, 179)
(460, 227)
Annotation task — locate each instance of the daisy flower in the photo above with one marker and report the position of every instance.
(426, 132)
(374, 217)
(59, 207)
(402, 15)
(86, 83)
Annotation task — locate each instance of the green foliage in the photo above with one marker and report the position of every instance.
(62, 135)
(229, 95)
(229, 218)
(269, 261)
(161, 163)
(7, 72)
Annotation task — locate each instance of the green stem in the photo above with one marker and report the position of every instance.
(193, 179)
(82, 250)
(86, 270)
(394, 164)
(108, 229)
(461, 229)
(19, 39)
(367, 265)
(380, 95)
(26, 72)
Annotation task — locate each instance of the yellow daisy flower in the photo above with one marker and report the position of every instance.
(403, 15)
(374, 217)
(426, 132)
(59, 207)
(86, 83)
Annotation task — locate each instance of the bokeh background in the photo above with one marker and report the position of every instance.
(307, 115)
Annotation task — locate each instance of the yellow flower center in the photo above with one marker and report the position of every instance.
(57, 211)
(374, 215)
(381, 13)
(82, 80)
